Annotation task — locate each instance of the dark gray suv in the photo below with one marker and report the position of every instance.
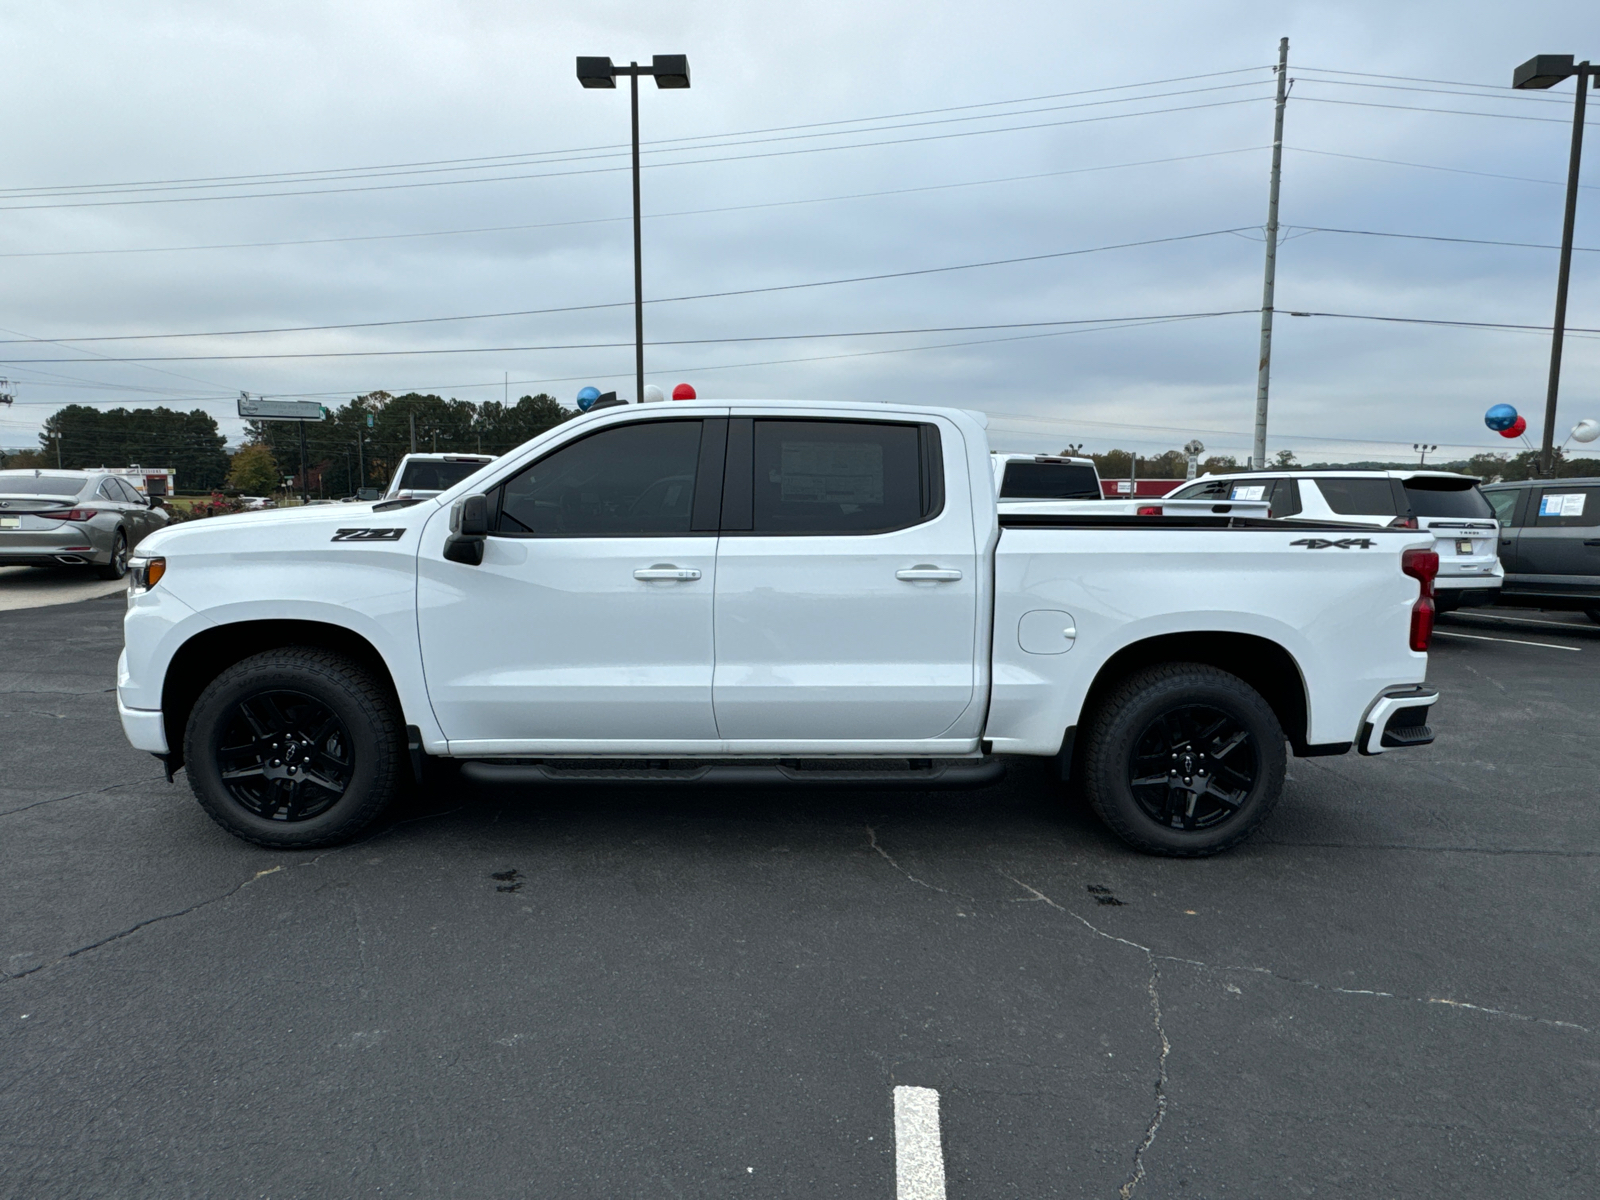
(1549, 542)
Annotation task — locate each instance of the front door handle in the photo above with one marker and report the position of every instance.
(930, 573)
(667, 571)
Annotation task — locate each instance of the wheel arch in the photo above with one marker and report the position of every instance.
(212, 651)
(1262, 663)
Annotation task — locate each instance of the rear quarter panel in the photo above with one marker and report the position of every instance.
(1343, 615)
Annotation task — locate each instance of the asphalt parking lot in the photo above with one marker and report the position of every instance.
(670, 993)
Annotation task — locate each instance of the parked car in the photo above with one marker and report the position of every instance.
(1452, 507)
(421, 476)
(1549, 542)
(73, 518)
(767, 593)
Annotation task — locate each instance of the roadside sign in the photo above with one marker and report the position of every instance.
(258, 409)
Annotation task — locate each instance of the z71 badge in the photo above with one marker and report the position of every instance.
(368, 535)
(1341, 544)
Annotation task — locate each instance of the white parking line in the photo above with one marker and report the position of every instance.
(918, 1155)
(1531, 621)
(1478, 637)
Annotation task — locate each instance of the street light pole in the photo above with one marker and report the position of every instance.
(1539, 72)
(670, 71)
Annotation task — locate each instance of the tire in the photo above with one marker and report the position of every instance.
(117, 566)
(295, 748)
(1593, 614)
(1171, 719)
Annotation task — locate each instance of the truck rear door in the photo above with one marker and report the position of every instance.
(1558, 547)
(846, 584)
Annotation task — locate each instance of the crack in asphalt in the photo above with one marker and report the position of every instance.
(89, 792)
(872, 842)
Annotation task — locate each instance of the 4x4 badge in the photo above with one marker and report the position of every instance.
(1342, 543)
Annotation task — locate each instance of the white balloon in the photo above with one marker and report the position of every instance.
(1586, 430)
(652, 393)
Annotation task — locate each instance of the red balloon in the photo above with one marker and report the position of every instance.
(1515, 429)
(683, 392)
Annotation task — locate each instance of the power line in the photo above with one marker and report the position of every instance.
(1574, 329)
(1460, 112)
(1396, 162)
(122, 337)
(775, 337)
(1431, 237)
(695, 212)
(607, 170)
(305, 175)
(1522, 97)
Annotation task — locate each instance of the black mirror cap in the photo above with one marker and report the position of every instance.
(1542, 71)
(469, 518)
(670, 70)
(597, 73)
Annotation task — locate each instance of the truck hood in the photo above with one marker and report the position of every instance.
(280, 528)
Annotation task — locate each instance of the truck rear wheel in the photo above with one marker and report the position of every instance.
(1184, 760)
(294, 748)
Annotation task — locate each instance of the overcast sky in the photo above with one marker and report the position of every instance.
(825, 141)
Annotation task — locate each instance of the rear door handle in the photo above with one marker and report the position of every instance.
(933, 574)
(666, 571)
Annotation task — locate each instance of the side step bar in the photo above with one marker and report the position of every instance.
(928, 774)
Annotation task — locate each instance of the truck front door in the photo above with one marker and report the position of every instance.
(589, 619)
(847, 583)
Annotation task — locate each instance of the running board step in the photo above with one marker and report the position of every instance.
(965, 773)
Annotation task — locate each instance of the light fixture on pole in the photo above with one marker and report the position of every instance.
(1545, 71)
(670, 71)
(1423, 449)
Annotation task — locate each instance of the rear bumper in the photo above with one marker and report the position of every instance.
(1397, 720)
(62, 557)
(144, 728)
(1451, 596)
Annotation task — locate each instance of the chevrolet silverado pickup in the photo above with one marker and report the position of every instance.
(766, 593)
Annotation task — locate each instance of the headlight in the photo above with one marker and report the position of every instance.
(144, 573)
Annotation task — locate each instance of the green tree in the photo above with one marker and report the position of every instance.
(1219, 464)
(1284, 460)
(253, 470)
(189, 443)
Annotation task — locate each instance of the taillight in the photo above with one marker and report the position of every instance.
(1404, 523)
(1423, 566)
(1149, 510)
(69, 514)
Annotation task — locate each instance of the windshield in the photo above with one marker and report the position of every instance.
(28, 484)
(435, 476)
(1447, 498)
(1049, 481)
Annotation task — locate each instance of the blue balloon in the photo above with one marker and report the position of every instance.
(587, 396)
(1501, 416)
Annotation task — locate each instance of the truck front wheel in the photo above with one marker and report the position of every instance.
(1183, 759)
(294, 748)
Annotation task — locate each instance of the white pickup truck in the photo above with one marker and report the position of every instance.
(766, 593)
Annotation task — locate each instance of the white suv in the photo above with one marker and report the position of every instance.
(1448, 505)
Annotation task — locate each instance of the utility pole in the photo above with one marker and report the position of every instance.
(1258, 459)
(413, 432)
(305, 483)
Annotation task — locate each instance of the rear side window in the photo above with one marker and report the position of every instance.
(1284, 498)
(833, 477)
(1049, 481)
(108, 490)
(1359, 497)
(1211, 489)
(631, 480)
(1447, 498)
(1567, 507)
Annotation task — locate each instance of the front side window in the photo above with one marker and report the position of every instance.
(629, 480)
(1359, 497)
(1503, 503)
(831, 477)
(1566, 507)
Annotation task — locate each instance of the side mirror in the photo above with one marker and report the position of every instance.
(469, 528)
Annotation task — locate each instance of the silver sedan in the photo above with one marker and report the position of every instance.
(73, 518)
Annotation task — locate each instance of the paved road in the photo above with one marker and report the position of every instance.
(37, 587)
(683, 994)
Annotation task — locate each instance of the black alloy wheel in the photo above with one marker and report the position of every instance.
(117, 565)
(1193, 767)
(295, 748)
(285, 756)
(1182, 759)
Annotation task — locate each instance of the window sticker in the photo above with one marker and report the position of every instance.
(1249, 491)
(1562, 504)
(848, 473)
